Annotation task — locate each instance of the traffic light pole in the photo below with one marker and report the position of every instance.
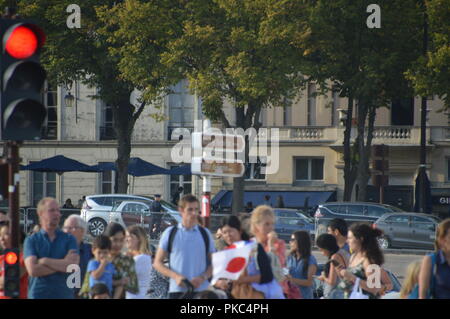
(12, 158)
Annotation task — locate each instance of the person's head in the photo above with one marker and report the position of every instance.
(337, 227)
(189, 208)
(116, 233)
(411, 278)
(137, 240)
(266, 197)
(49, 213)
(231, 230)
(249, 204)
(101, 247)
(443, 236)
(68, 201)
(207, 294)
(76, 226)
(157, 197)
(5, 237)
(262, 222)
(99, 291)
(180, 189)
(327, 244)
(363, 238)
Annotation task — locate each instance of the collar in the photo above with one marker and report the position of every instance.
(180, 226)
(57, 232)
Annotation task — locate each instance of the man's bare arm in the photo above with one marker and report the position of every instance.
(61, 265)
(35, 269)
(160, 267)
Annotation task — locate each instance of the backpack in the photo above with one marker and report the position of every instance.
(205, 237)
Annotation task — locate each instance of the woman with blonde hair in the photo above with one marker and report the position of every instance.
(138, 247)
(434, 275)
(411, 279)
(261, 273)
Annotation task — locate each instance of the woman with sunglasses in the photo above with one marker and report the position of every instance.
(302, 264)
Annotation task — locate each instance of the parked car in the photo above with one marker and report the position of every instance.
(319, 285)
(407, 230)
(97, 208)
(290, 220)
(351, 213)
(129, 213)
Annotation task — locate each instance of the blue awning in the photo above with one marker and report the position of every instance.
(291, 199)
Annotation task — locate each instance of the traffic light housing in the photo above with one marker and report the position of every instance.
(11, 286)
(22, 80)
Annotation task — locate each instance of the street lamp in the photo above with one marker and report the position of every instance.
(69, 99)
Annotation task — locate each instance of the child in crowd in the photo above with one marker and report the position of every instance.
(100, 291)
(100, 269)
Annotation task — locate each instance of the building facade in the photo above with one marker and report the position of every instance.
(311, 151)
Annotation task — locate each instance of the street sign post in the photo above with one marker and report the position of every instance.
(203, 166)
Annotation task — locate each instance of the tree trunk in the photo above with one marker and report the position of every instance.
(349, 168)
(362, 175)
(123, 126)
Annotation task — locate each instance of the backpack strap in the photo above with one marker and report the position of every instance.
(172, 234)
(206, 240)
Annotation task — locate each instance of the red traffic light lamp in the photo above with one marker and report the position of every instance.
(11, 265)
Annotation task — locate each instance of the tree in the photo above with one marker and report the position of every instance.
(430, 73)
(85, 54)
(227, 52)
(365, 65)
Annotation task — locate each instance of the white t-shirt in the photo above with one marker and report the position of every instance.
(143, 265)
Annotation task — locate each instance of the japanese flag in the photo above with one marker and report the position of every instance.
(230, 263)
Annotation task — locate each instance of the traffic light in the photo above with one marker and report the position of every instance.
(22, 79)
(11, 286)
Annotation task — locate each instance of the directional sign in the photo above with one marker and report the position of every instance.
(219, 142)
(216, 168)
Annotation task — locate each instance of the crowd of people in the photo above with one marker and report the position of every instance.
(120, 264)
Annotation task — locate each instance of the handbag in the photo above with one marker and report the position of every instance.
(357, 291)
(245, 291)
(293, 291)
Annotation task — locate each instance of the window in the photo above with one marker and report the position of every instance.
(287, 112)
(50, 131)
(402, 112)
(422, 223)
(398, 219)
(181, 107)
(106, 127)
(311, 111)
(355, 210)
(176, 181)
(375, 211)
(106, 182)
(43, 185)
(253, 171)
(308, 169)
(448, 169)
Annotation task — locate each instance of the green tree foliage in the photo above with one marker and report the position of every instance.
(431, 73)
(87, 54)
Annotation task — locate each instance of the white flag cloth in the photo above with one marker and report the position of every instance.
(230, 263)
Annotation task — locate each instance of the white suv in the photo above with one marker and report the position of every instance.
(96, 209)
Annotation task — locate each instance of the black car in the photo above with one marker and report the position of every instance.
(351, 213)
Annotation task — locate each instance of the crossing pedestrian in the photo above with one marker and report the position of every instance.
(5, 241)
(338, 228)
(138, 248)
(301, 263)
(48, 253)
(76, 226)
(264, 269)
(328, 246)
(366, 261)
(189, 253)
(434, 276)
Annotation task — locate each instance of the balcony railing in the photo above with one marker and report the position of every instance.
(178, 131)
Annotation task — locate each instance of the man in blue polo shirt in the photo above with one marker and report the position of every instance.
(188, 258)
(47, 255)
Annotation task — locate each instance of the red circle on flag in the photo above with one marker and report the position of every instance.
(236, 264)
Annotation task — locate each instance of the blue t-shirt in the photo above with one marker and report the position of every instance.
(296, 270)
(107, 276)
(188, 254)
(346, 247)
(53, 286)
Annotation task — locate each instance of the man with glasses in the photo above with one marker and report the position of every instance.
(186, 247)
(76, 226)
